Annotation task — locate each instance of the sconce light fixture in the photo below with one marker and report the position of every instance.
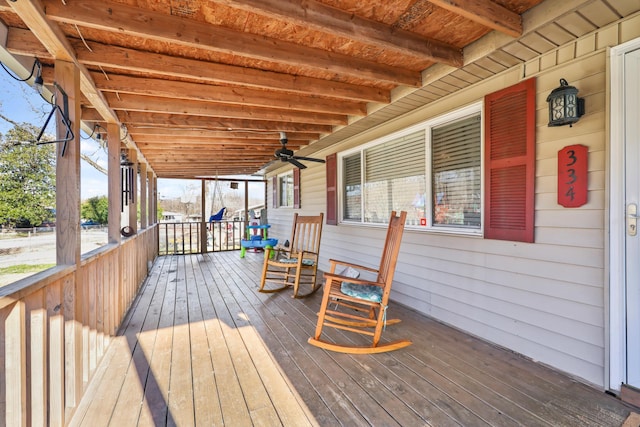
(565, 108)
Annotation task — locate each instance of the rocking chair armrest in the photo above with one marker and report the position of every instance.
(356, 266)
(277, 251)
(357, 281)
(305, 254)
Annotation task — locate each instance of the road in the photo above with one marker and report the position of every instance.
(40, 248)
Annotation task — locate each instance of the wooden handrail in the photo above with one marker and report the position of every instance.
(58, 324)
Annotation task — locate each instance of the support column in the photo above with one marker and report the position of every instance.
(133, 206)
(246, 202)
(155, 199)
(115, 186)
(203, 217)
(67, 91)
(143, 196)
(151, 199)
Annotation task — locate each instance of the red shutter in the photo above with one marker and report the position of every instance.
(332, 189)
(274, 191)
(510, 163)
(296, 188)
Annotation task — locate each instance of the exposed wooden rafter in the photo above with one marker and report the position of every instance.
(122, 19)
(337, 22)
(225, 94)
(485, 12)
(198, 82)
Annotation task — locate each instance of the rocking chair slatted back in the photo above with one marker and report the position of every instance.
(305, 235)
(295, 266)
(391, 248)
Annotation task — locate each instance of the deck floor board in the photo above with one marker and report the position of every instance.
(200, 346)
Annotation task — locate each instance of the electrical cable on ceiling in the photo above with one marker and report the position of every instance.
(82, 38)
(36, 63)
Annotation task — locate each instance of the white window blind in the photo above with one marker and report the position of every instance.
(456, 173)
(352, 174)
(394, 175)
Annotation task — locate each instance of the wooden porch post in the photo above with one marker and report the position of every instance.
(246, 203)
(203, 219)
(151, 191)
(133, 206)
(67, 91)
(155, 199)
(115, 189)
(143, 196)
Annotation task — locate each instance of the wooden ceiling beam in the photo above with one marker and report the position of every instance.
(156, 64)
(201, 155)
(206, 133)
(217, 123)
(333, 21)
(190, 169)
(213, 123)
(485, 12)
(122, 19)
(225, 94)
(152, 104)
(23, 42)
(145, 140)
(208, 173)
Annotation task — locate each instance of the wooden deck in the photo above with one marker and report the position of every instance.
(200, 346)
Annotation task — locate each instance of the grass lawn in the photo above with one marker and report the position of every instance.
(24, 268)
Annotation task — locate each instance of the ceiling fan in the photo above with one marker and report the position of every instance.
(287, 155)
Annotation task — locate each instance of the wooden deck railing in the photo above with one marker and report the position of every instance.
(182, 238)
(56, 326)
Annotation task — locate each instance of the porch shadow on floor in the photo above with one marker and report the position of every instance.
(200, 346)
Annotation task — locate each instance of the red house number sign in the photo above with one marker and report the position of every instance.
(572, 176)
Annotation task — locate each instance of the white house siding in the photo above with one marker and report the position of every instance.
(545, 300)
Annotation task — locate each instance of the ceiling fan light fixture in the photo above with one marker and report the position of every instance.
(287, 155)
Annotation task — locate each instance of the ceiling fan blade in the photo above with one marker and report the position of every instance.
(296, 163)
(310, 159)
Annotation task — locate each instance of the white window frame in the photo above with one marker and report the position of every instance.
(279, 178)
(459, 114)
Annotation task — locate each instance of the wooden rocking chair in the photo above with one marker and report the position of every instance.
(296, 265)
(363, 303)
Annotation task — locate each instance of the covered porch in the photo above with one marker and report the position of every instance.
(200, 346)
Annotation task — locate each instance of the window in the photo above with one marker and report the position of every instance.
(437, 173)
(432, 171)
(352, 188)
(455, 173)
(285, 190)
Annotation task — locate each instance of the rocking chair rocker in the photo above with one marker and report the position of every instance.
(296, 264)
(364, 302)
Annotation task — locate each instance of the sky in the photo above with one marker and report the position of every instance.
(21, 103)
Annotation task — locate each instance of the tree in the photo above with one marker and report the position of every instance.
(96, 209)
(27, 177)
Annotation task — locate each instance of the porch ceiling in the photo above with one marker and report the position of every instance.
(204, 87)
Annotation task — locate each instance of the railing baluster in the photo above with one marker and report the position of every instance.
(15, 360)
(187, 238)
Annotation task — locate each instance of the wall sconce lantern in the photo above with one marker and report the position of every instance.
(565, 108)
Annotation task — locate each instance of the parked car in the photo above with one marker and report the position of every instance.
(89, 224)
